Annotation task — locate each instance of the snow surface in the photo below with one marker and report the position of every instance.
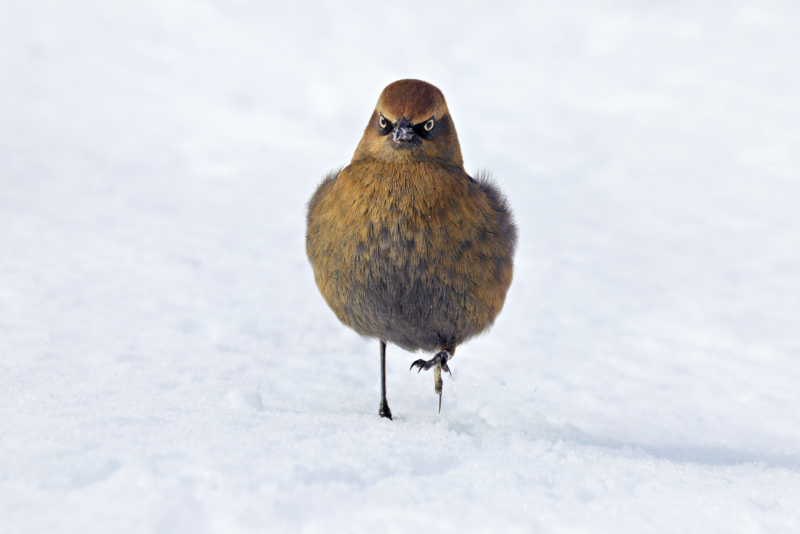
(167, 364)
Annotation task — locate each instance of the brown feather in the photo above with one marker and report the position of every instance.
(405, 246)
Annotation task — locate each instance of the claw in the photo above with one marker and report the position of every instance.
(440, 359)
(439, 363)
(422, 365)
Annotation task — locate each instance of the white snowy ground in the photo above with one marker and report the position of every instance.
(167, 365)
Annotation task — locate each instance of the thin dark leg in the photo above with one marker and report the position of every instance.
(384, 410)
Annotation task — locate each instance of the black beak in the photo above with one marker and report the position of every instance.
(403, 132)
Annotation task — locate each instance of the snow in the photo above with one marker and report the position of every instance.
(167, 364)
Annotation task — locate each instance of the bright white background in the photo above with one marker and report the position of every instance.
(167, 365)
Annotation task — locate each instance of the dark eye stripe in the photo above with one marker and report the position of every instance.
(387, 126)
(420, 130)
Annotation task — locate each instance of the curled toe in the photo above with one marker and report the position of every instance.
(420, 363)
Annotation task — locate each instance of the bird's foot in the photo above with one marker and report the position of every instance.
(439, 364)
(440, 360)
(384, 410)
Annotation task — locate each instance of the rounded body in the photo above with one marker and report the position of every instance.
(418, 254)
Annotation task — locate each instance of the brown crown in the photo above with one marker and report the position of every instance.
(413, 99)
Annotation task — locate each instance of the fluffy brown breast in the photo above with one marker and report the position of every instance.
(419, 255)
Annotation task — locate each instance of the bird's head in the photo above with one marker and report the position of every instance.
(410, 123)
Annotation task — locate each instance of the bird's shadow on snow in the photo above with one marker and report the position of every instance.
(478, 427)
(720, 456)
(687, 453)
(702, 455)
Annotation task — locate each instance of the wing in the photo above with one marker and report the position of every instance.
(321, 188)
(504, 220)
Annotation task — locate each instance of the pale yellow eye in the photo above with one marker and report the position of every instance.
(382, 122)
(429, 125)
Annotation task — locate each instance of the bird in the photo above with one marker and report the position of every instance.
(406, 247)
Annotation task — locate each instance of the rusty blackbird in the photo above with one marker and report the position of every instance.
(405, 246)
